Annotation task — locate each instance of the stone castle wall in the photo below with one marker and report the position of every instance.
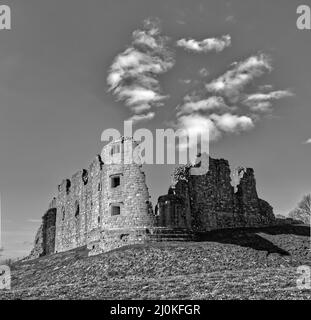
(91, 209)
(209, 201)
(45, 237)
(131, 195)
(107, 205)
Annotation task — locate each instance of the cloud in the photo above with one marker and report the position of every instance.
(232, 123)
(232, 82)
(206, 45)
(211, 103)
(195, 125)
(210, 118)
(274, 95)
(211, 128)
(264, 106)
(262, 101)
(230, 19)
(203, 72)
(142, 117)
(265, 87)
(185, 81)
(308, 141)
(220, 106)
(137, 96)
(141, 108)
(133, 75)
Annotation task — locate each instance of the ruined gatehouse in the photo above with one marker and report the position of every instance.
(108, 205)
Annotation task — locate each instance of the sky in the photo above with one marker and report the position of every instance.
(57, 97)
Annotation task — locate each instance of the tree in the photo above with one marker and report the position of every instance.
(303, 210)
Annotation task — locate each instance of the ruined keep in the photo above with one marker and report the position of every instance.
(108, 205)
(209, 202)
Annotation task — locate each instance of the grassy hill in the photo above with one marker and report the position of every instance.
(231, 264)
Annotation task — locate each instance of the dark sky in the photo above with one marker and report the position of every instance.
(54, 100)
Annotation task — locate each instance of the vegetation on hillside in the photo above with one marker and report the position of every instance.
(258, 263)
(303, 210)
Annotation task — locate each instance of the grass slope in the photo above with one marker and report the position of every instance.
(239, 264)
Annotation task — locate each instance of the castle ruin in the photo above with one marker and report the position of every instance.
(108, 205)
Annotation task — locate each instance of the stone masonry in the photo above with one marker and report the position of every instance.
(210, 202)
(45, 237)
(108, 205)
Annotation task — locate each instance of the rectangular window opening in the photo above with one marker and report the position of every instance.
(115, 181)
(115, 210)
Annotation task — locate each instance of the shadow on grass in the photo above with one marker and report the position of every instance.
(250, 237)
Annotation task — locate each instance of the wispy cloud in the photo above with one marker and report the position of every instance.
(274, 95)
(232, 123)
(191, 105)
(206, 45)
(220, 106)
(185, 81)
(232, 82)
(194, 125)
(210, 118)
(133, 75)
(308, 141)
(262, 102)
(265, 87)
(142, 117)
(261, 106)
(230, 19)
(211, 127)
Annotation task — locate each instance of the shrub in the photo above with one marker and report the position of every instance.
(303, 210)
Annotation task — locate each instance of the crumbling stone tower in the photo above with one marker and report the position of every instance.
(105, 206)
(127, 214)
